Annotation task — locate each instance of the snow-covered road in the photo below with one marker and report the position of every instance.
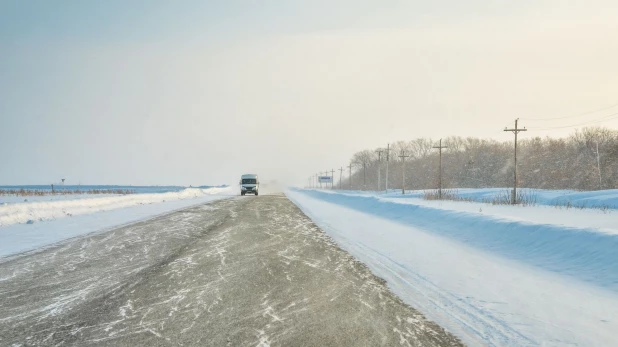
(490, 278)
(245, 271)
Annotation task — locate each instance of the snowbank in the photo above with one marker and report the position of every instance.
(588, 199)
(606, 199)
(59, 220)
(586, 253)
(65, 206)
(491, 280)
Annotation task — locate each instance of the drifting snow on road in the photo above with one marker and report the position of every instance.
(490, 278)
(236, 272)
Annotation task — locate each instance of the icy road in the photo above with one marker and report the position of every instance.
(235, 272)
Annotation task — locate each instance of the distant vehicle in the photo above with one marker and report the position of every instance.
(249, 184)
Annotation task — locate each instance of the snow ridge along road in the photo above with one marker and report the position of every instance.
(236, 272)
(491, 280)
(56, 218)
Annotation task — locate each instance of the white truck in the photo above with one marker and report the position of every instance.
(249, 184)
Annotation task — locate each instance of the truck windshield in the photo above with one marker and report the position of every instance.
(249, 181)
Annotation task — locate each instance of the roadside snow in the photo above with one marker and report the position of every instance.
(599, 220)
(597, 198)
(36, 211)
(603, 199)
(496, 277)
(58, 220)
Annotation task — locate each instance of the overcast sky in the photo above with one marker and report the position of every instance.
(199, 92)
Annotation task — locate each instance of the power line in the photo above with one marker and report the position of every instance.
(600, 120)
(573, 116)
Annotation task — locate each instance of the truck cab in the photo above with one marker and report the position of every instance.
(249, 184)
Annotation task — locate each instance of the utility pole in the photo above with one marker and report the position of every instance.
(599, 167)
(364, 175)
(319, 180)
(388, 150)
(379, 151)
(403, 157)
(326, 183)
(332, 178)
(515, 131)
(350, 176)
(340, 175)
(440, 169)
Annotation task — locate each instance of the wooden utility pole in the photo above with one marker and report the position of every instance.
(515, 131)
(332, 178)
(599, 167)
(388, 150)
(440, 169)
(350, 176)
(364, 175)
(326, 183)
(379, 151)
(403, 157)
(340, 175)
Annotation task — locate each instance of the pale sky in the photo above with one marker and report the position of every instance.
(158, 92)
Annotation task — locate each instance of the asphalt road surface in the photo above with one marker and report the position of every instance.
(246, 271)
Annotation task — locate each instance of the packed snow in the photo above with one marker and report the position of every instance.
(45, 220)
(493, 275)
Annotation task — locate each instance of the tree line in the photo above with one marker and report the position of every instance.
(585, 160)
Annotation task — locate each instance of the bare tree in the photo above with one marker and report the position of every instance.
(361, 160)
(573, 162)
(420, 148)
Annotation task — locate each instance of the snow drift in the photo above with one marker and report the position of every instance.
(588, 254)
(36, 211)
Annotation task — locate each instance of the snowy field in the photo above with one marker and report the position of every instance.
(32, 222)
(492, 274)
